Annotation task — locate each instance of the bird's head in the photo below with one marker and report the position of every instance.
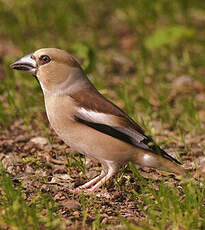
(52, 67)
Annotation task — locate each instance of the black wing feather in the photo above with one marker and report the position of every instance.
(122, 134)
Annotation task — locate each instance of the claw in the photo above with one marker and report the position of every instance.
(93, 185)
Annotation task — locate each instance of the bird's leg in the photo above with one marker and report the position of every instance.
(89, 183)
(93, 181)
(111, 171)
(97, 182)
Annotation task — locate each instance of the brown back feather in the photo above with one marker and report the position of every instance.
(91, 99)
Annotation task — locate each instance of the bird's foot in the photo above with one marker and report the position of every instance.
(90, 191)
(79, 190)
(93, 185)
(76, 190)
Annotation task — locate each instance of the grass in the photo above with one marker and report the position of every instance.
(171, 206)
(39, 213)
(147, 57)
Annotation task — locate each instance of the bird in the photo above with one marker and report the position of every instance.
(88, 122)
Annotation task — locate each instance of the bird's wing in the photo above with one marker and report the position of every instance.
(90, 99)
(115, 123)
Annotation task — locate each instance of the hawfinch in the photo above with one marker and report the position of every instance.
(88, 122)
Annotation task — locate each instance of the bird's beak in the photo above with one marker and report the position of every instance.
(26, 63)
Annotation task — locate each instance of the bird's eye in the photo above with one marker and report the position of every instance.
(44, 59)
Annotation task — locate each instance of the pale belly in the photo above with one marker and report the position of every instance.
(95, 144)
(84, 139)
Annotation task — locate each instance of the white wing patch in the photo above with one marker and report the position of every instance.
(110, 120)
(97, 117)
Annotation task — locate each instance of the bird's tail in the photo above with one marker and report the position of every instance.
(153, 160)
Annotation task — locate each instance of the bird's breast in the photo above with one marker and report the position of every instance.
(60, 112)
(80, 137)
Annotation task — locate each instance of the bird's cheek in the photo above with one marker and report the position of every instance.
(42, 77)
